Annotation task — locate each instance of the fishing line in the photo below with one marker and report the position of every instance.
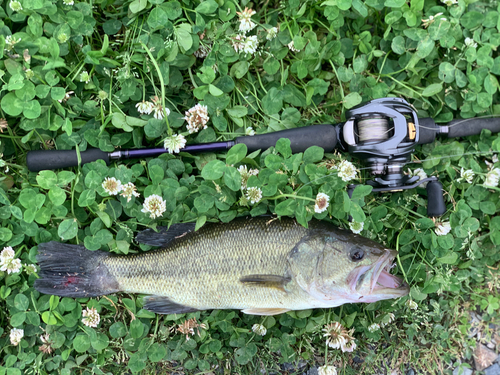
(374, 129)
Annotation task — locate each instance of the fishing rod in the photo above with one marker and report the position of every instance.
(382, 132)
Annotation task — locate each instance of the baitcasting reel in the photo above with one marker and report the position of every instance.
(384, 133)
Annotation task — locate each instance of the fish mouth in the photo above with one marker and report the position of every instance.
(381, 281)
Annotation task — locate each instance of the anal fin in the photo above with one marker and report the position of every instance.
(269, 281)
(164, 305)
(265, 311)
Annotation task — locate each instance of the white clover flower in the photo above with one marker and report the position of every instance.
(327, 370)
(197, 118)
(237, 43)
(321, 203)
(494, 158)
(68, 2)
(442, 229)
(243, 201)
(30, 268)
(145, 107)
(85, 76)
(102, 95)
(29, 73)
(63, 38)
(128, 191)
(449, 2)
(246, 23)
(411, 304)
(388, 318)
(66, 96)
(467, 175)
(91, 317)
(373, 327)
(291, 47)
(347, 170)
(112, 186)
(46, 347)
(349, 346)
(16, 335)
(11, 41)
(259, 329)
(356, 227)
(174, 143)
(159, 113)
(15, 5)
(11, 266)
(470, 43)
(45, 338)
(492, 178)
(155, 205)
(431, 19)
(203, 51)
(421, 174)
(254, 195)
(8, 263)
(7, 253)
(249, 131)
(271, 33)
(250, 44)
(335, 333)
(245, 174)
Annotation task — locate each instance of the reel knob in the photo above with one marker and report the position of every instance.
(435, 199)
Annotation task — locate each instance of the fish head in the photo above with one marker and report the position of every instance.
(351, 268)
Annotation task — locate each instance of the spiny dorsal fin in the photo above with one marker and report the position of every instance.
(271, 311)
(269, 281)
(163, 305)
(164, 235)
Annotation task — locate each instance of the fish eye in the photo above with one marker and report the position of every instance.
(356, 254)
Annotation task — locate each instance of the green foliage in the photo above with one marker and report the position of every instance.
(73, 76)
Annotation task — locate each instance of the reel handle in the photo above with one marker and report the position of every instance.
(324, 136)
(435, 199)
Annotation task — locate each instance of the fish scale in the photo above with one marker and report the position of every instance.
(218, 258)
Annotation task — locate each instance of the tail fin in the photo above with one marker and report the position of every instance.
(73, 271)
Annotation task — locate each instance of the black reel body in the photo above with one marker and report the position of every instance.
(384, 133)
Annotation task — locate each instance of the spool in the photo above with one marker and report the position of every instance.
(373, 129)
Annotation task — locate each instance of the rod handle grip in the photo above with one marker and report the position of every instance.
(40, 160)
(324, 136)
(473, 126)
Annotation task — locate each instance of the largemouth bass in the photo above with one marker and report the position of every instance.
(259, 266)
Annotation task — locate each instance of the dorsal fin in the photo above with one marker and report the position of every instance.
(163, 305)
(269, 281)
(164, 235)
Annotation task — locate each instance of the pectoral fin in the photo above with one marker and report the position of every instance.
(257, 311)
(269, 281)
(163, 305)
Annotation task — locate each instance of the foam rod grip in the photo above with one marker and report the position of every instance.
(324, 136)
(472, 126)
(40, 160)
